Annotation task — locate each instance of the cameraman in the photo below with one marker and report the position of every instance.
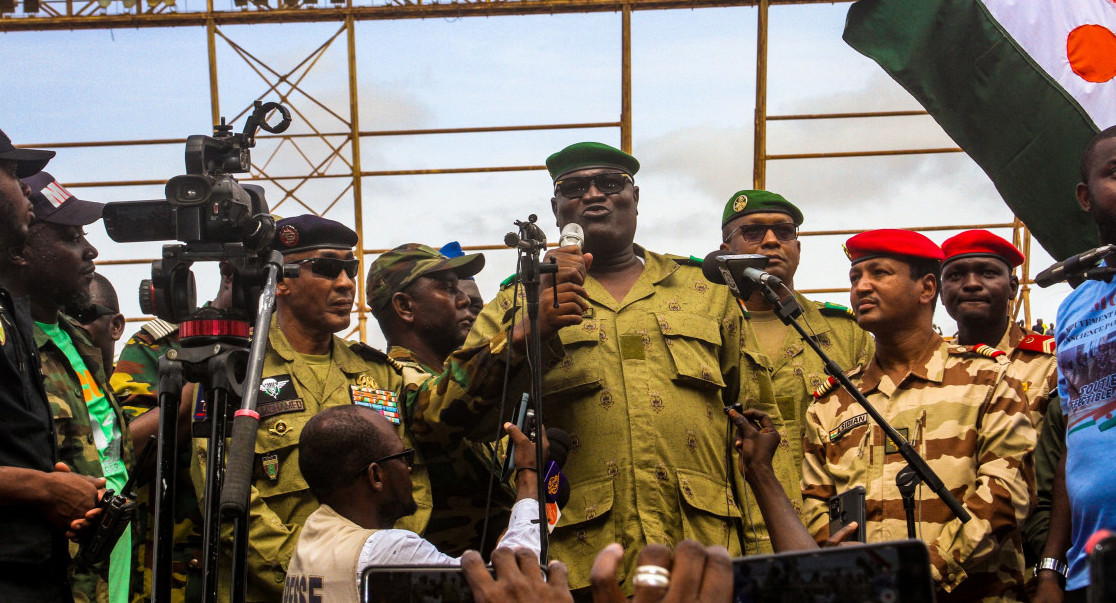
(360, 471)
(39, 497)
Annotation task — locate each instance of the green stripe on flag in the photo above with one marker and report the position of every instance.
(1021, 127)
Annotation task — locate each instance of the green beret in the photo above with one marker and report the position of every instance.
(743, 203)
(590, 155)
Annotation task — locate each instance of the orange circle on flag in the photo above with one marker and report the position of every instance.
(1091, 50)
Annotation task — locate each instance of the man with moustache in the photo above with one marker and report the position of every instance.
(956, 405)
(640, 385)
(56, 268)
(784, 369)
(39, 496)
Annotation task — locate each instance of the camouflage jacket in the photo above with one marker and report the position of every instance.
(459, 479)
(1034, 365)
(960, 411)
(74, 427)
(135, 383)
(784, 387)
(640, 386)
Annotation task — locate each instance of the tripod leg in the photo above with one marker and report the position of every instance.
(166, 477)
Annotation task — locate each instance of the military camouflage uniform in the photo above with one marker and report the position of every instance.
(640, 386)
(74, 429)
(1034, 366)
(135, 383)
(959, 410)
(784, 387)
(459, 480)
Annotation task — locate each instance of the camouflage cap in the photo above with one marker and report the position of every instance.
(590, 155)
(747, 202)
(394, 270)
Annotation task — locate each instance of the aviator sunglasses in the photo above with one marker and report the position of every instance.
(754, 233)
(609, 183)
(331, 267)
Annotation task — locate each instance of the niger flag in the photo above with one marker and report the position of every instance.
(1020, 85)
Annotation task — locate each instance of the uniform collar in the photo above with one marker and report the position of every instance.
(343, 357)
(929, 367)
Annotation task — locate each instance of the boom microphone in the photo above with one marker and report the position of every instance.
(743, 273)
(572, 234)
(1073, 265)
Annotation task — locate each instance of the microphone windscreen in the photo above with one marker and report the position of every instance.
(709, 267)
(560, 444)
(572, 234)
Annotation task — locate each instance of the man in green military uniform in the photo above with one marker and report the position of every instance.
(414, 294)
(782, 371)
(93, 437)
(640, 384)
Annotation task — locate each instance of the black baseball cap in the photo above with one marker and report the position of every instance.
(54, 204)
(28, 161)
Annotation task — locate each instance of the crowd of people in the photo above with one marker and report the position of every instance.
(700, 426)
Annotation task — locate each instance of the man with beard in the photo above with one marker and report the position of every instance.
(958, 408)
(785, 371)
(39, 496)
(414, 293)
(360, 470)
(56, 268)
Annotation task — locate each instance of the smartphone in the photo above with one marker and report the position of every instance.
(887, 571)
(417, 584)
(845, 508)
(521, 416)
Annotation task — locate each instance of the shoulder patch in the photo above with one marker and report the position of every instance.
(829, 385)
(159, 328)
(831, 309)
(980, 348)
(1043, 344)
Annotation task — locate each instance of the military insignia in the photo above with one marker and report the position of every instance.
(831, 309)
(740, 203)
(288, 235)
(1044, 344)
(987, 350)
(847, 425)
(891, 447)
(365, 381)
(271, 466)
(280, 428)
(272, 386)
(846, 250)
(382, 401)
(829, 385)
(278, 407)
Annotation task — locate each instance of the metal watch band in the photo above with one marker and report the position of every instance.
(1048, 563)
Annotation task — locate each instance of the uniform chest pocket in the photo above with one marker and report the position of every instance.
(276, 465)
(694, 344)
(578, 371)
(708, 509)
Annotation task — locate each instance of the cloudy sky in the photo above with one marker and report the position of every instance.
(693, 102)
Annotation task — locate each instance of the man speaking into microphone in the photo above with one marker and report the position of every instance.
(639, 384)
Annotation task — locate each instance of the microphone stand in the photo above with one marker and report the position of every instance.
(787, 311)
(530, 242)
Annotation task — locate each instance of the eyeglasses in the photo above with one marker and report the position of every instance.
(754, 233)
(609, 183)
(331, 267)
(93, 312)
(407, 456)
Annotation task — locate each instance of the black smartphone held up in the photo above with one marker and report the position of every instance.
(882, 572)
(847, 507)
(523, 417)
(416, 584)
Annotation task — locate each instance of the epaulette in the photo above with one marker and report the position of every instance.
(158, 328)
(1043, 344)
(829, 385)
(690, 261)
(370, 353)
(504, 284)
(980, 348)
(831, 309)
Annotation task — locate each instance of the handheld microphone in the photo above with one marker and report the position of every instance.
(572, 234)
(1068, 267)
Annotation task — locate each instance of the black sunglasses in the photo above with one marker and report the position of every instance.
(754, 233)
(407, 456)
(608, 183)
(331, 267)
(93, 312)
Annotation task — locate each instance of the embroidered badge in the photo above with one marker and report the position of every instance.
(829, 385)
(271, 466)
(288, 235)
(891, 447)
(987, 350)
(382, 401)
(846, 426)
(278, 407)
(272, 386)
(740, 203)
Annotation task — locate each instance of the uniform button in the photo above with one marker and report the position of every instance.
(193, 563)
(950, 577)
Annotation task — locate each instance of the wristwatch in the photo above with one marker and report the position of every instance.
(1049, 563)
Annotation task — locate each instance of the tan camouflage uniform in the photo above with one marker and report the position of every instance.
(135, 383)
(960, 412)
(1034, 367)
(74, 430)
(784, 388)
(459, 478)
(640, 386)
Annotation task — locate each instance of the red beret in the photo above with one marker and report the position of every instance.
(981, 242)
(891, 242)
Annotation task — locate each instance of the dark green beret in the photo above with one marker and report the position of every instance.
(590, 155)
(743, 203)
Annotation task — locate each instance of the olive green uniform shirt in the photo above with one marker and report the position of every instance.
(640, 385)
(784, 386)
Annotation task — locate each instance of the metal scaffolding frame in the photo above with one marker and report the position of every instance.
(342, 160)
